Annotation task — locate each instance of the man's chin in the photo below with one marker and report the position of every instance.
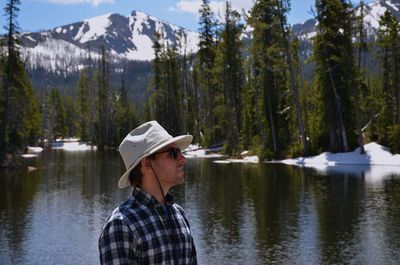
(181, 179)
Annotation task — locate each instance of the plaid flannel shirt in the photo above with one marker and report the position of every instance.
(142, 231)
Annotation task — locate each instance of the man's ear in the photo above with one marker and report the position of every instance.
(145, 163)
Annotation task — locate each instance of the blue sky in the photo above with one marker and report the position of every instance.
(37, 15)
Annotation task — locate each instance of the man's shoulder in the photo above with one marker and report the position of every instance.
(125, 215)
(130, 211)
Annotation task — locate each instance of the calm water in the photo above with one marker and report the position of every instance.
(240, 214)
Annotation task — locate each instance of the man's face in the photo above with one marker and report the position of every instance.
(168, 165)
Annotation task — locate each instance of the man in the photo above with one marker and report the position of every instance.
(149, 228)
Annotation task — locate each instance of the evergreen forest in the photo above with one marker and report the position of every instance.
(238, 95)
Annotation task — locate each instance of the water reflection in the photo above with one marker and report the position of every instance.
(240, 214)
(246, 214)
(17, 192)
(54, 215)
(372, 174)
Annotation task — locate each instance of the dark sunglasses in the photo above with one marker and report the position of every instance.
(172, 152)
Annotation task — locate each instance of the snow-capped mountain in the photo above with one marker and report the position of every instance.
(372, 13)
(375, 10)
(65, 48)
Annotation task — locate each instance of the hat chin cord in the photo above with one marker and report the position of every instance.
(158, 181)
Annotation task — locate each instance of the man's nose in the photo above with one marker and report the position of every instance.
(181, 158)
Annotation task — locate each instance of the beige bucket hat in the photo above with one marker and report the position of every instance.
(143, 141)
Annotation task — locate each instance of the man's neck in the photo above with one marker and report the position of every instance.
(155, 191)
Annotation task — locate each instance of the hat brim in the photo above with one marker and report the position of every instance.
(182, 141)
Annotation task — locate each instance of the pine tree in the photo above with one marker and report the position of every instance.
(103, 104)
(361, 90)
(157, 91)
(11, 10)
(204, 65)
(83, 105)
(173, 91)
(20, 119)
(228, 74)
(195, 99)
(125, 117)
(250, 122)
(270, 77)
(46, 133)
(283, 8)
(188, 101)
(361, 37)
(92, 101)
(167, 93)
(335, 73)
(71, 116)
(59, 118)
(24, 126)
(389, 53)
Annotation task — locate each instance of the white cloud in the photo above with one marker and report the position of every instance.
(217, 6)
(187, 6)
(93, 2)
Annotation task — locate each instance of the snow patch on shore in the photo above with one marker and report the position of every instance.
(375, 154)
(76, 146)
(378, 163)
(194, 150)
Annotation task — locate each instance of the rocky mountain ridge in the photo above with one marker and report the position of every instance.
(65, 48)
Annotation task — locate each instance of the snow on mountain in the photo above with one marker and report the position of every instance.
(372, 13)
(124, 37)
(58, 56)
(96, 26)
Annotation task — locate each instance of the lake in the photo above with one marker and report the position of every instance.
(239, 213)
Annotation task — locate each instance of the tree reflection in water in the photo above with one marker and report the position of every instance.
(239, 213)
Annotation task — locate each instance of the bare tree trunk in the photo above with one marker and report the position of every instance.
(361, 141)
(361, 135)
(337, 107)
(271, 119)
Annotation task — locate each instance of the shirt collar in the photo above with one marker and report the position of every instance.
(147, 199)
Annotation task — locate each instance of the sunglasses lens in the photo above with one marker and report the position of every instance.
(174, 153)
